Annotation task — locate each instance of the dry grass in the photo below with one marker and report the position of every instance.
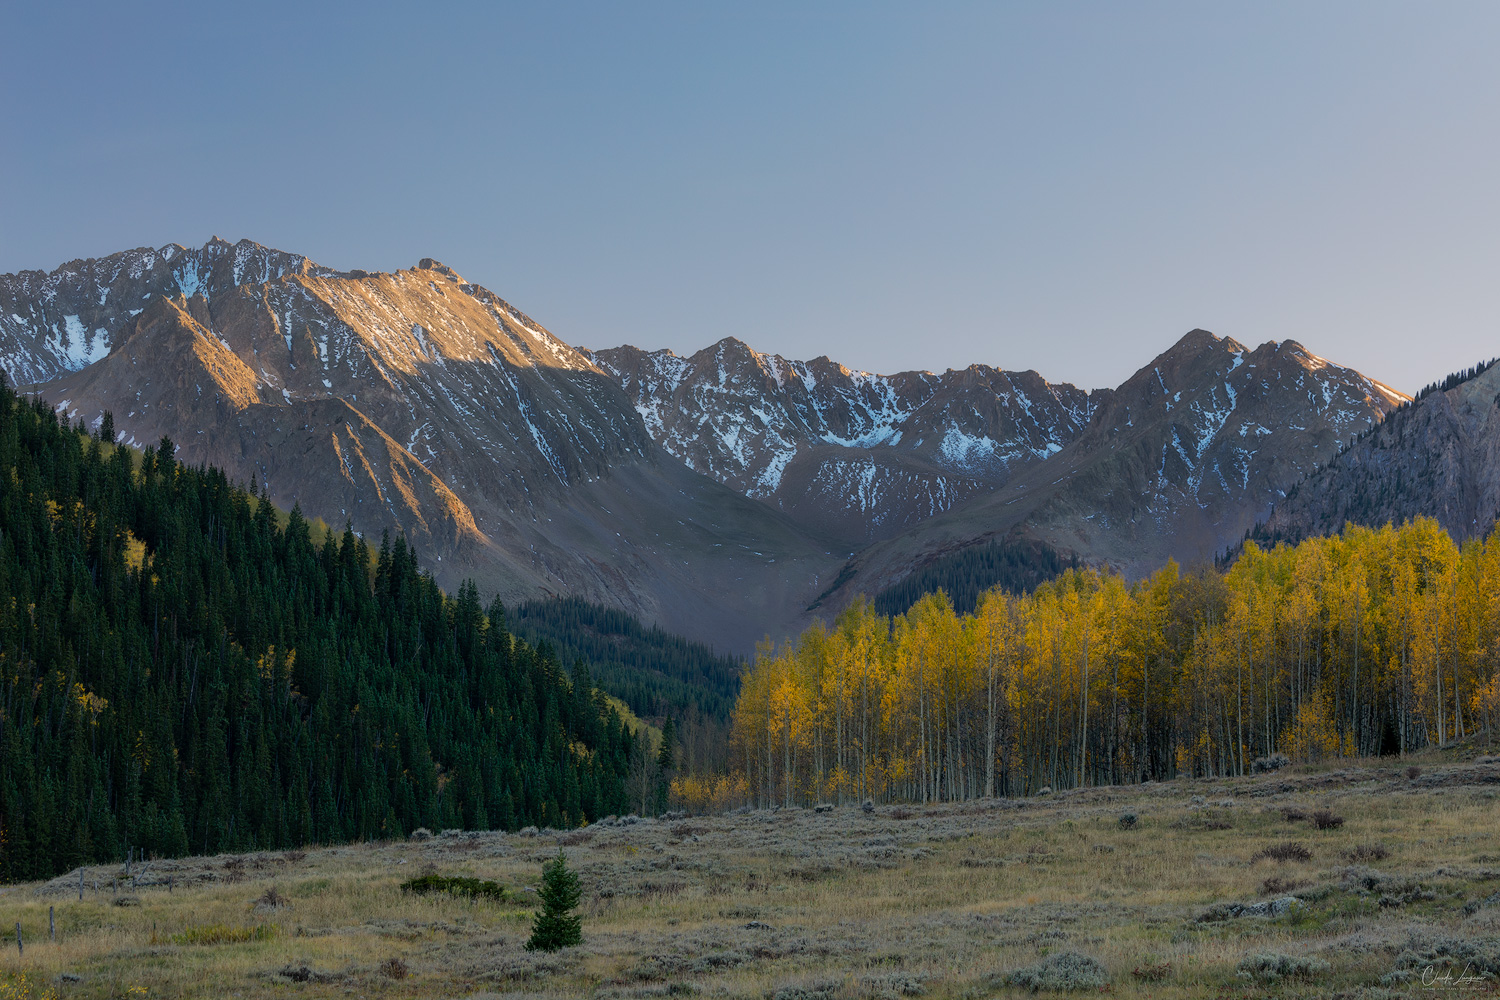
(943, 902)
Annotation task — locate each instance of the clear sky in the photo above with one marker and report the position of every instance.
(1066, 187)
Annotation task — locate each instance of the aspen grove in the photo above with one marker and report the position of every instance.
(1376, 641)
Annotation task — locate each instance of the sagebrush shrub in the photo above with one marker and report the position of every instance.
(1324, 819)
(1152, 973)
(822, 989)
(455, 885)
(1275, 762)
(1287, 850)
(1063, 971)
(1364, 853)
(1273, 967)
(271, 899)
(1278, 886)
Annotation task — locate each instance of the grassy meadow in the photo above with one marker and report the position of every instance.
(937, 901)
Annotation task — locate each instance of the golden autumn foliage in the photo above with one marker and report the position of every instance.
(1314, 736)
(705, 793)
(1373, 641)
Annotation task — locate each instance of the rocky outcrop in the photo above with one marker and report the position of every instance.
(857, 455)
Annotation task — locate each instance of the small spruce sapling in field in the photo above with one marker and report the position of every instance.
(553, 927)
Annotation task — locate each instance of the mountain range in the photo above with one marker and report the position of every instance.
(724, 495)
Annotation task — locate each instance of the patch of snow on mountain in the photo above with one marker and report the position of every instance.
(1213, 419)
(769, 480)
(82, 348)
(651, 417)
(188, 282)
(964, 449)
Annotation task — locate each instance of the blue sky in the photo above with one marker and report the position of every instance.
(1065, 187)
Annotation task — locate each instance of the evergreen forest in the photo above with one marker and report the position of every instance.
(656, 673)
(181, 672)
(1012, 565)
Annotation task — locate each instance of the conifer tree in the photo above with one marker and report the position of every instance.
(554, 926)
(665, 763)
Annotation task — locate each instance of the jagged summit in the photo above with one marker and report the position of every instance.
(857, 455)
(428, 264)
(411, 401)
(708, 492)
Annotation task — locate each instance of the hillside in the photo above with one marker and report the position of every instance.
(1208, 890)
(1178, 462)
(656, 673)
(184, 674)
(1438, 457)
(413, 402)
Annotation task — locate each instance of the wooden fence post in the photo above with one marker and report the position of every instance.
(51, 925)
(20, 948)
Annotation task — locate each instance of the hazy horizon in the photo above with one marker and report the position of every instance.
(1064, 189)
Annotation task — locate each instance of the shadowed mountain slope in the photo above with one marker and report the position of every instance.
(1178, 462)
(1438, 457)
(856, 455)
(720, 496)
(413, 402)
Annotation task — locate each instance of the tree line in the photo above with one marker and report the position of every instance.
(180, 673)
(1015, 565)
(1375, 641)
(658, 675)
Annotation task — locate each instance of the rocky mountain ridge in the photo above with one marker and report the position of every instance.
(1178, 462)
(414, 402)
(1439, 457)
(722, 495)
(861, 456)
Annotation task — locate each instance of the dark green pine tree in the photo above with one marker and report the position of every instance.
(666, 761)
(554, 926)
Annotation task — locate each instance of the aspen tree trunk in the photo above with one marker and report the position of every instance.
(989, 741)
(1146, 714)
(1359, 614)
(1239, 706)
(1083, 732)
